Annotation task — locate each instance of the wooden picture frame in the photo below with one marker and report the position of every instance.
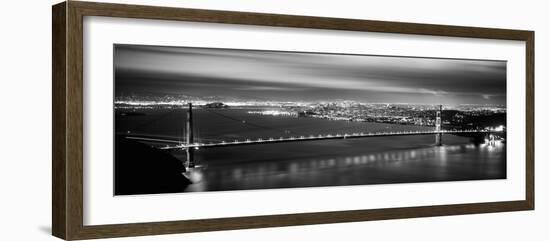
(67, 149)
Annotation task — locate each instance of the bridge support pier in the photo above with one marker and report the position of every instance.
(190, 163)
(438, 139)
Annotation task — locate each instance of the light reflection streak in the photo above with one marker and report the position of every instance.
(312, 167)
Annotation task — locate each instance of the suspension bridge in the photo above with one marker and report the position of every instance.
(190, 145)
(184, 146)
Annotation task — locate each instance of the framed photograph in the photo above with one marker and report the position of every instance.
(171, 120)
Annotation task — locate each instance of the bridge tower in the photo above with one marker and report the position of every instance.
(438, 126)
(189, 131)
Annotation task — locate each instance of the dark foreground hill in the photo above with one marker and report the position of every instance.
(141, 169)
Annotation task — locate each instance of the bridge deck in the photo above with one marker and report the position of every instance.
(176, 145)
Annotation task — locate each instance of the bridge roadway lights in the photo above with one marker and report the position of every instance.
(438, 136)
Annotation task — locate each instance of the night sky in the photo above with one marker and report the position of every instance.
(293, 76)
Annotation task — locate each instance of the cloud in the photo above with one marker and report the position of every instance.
(268, 88)
(292, 72)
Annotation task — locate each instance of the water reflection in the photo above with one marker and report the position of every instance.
(434, 163)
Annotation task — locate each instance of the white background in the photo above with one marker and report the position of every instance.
(25, 123)
(101, 33)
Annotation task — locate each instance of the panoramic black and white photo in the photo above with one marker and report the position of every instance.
(207, 119)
